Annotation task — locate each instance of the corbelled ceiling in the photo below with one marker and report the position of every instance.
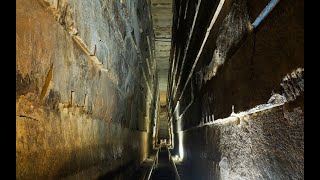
(162, 22)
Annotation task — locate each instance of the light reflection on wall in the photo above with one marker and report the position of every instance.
(172, 134)
(181, 150)
(155, 120)
(176, 111)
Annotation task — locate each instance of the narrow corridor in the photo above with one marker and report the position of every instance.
(164, 169)
(160, 89)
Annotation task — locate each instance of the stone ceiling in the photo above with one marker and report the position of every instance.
(162, 22)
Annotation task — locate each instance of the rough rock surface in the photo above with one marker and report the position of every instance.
(264, 145)
(84, 91)
(238, 112)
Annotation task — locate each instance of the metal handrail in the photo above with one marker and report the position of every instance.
(154, 165)
(174, 166)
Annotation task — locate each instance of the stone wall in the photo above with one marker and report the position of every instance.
(268, 144)
(163, 124)
(220, 66)
(231, 63)
(84, 87)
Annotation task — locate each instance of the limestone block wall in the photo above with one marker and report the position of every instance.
(84, 87)
(221, 66)
(268, 144)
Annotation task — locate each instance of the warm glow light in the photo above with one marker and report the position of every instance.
(181, 150)
(177, 113)
(172, 134)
